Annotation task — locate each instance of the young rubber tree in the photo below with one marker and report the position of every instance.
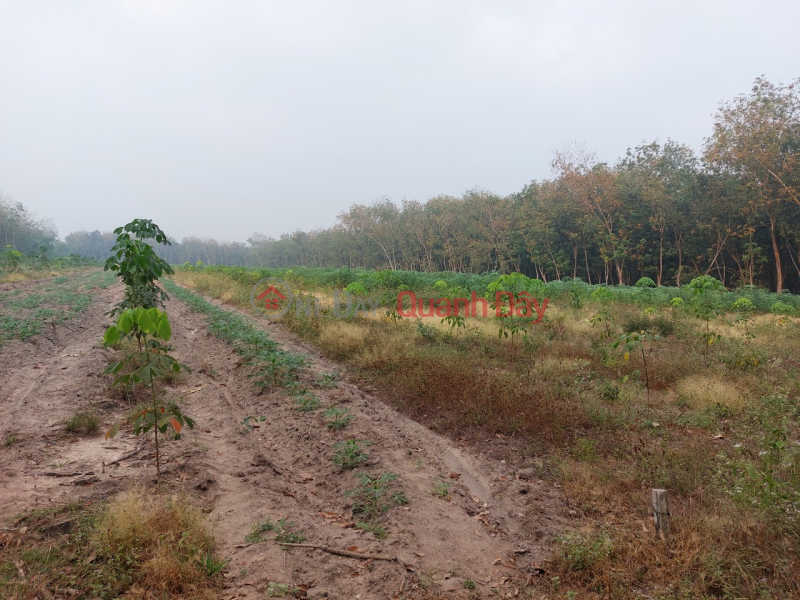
(149, 362)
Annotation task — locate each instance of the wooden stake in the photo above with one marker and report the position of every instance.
(661, 512)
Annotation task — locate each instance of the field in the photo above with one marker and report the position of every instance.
(409, 458)
(712, 419)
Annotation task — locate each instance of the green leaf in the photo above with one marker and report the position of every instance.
(164, 329)
(125, 323)
(111, 337)
(145, 323)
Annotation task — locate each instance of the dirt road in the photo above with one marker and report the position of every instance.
(486, 527)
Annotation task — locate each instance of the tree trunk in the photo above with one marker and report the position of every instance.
(777, 252)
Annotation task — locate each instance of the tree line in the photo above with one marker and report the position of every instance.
(660, 211)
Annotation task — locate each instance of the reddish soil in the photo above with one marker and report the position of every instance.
(494, 527)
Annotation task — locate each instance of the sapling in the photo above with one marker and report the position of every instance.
(151, 328)
(745, 308)
(705, 295)
(637, 339)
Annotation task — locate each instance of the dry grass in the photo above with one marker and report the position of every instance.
(165, 540)
(722, 439)
(703, 391)
(138, 545)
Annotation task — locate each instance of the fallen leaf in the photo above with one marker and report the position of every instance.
(353, 549)
(497, 561)
(455, 475)
(306, 476)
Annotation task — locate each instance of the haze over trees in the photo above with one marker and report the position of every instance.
(660, 211)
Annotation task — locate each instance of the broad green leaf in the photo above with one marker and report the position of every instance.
(112, 336)
(164, 329)
(125, 322)
(145, 323)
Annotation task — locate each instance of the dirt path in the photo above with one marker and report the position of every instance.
(492, 529)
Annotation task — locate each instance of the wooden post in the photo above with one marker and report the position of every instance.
(661, 512)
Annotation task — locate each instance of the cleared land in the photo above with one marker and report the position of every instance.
(465, 524)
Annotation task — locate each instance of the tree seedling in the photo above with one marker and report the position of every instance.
(637, 339)
(745, 308)
(151, 328)
(705, 305)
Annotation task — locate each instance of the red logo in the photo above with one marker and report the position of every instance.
(271, 303)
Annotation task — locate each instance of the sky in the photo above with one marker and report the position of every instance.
(221, 119)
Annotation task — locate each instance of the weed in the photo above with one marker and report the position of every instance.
(250, 422)
(379, 531)
(608, 391)
(580, 552)
(258, 530)
(468, 584)
(82, 422)
(350, 454)
(373, 496)
(586, 450)
(441, 488)
(10, 439)
(338, 418)
(284, 532)
(329, 380)
(213, 565)
(307, 402)
(427, 332)
(280, 590)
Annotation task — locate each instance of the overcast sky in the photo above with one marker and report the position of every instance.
(218, 119)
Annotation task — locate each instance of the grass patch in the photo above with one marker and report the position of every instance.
(285, 532)
(25, 313)
(85, 422)
(136, 545)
